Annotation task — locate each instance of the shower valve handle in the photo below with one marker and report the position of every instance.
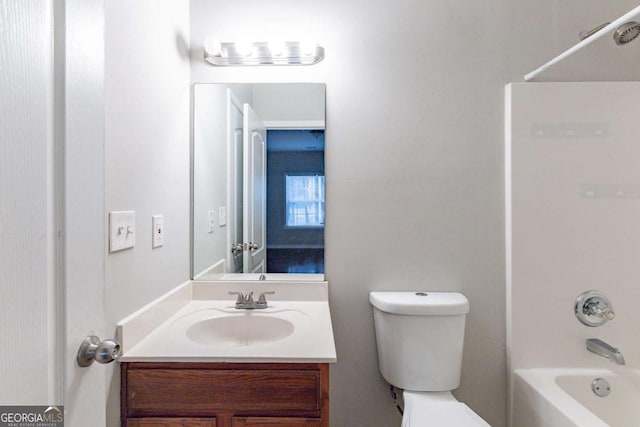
(593, 308)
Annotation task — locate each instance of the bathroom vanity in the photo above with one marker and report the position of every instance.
(225, 394)
(192, 359)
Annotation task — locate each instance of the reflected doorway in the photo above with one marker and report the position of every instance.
(295, 201)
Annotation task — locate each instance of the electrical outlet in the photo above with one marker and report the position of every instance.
(157, 225)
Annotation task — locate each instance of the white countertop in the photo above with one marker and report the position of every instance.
(158, 332)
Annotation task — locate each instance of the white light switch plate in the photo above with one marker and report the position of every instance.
(222, 216)
(157, 224)
(122, 230)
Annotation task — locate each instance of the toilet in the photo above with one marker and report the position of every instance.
(420, 337)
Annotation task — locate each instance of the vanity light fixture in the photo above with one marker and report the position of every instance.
(262, 53)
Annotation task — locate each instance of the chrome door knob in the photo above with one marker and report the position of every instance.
(92, 349)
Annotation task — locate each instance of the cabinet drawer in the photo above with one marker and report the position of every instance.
(171, 422)
(205, 392)
(274, 422)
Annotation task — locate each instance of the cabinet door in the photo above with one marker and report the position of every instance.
(171, 422)
(274, 422)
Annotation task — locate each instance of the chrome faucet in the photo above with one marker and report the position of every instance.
(603, 349)
(246, 301)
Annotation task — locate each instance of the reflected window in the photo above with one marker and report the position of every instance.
(304, 200)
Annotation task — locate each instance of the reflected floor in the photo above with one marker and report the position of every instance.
(309, 261)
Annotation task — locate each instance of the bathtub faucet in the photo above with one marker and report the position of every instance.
(603, 349)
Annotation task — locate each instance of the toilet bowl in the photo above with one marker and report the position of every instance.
(419, 337)
(437, 409)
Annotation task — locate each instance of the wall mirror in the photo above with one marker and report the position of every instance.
(258, 181)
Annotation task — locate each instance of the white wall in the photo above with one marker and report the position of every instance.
(147, 145)
(147, 127)
(563, 241)
(289, 103)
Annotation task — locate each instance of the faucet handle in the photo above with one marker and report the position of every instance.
(605, 312)
(262, 299)
(593, 308)
(241, 297)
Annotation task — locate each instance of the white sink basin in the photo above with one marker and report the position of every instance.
(240, 329)
(228, 327)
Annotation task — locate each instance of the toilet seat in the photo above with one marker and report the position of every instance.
(438, 409)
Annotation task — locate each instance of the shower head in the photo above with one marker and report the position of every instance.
(626, 33)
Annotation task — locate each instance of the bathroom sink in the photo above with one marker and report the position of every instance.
(199, 322)
(226, 327)
(240, 330)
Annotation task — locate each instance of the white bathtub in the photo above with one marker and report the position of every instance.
(563, 398)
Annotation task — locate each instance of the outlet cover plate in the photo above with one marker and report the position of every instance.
(157, 223)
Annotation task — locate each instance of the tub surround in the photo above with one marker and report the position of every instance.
(158, 331)
(571, 196)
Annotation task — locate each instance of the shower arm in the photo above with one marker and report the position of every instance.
(585, 34)
(592, 38)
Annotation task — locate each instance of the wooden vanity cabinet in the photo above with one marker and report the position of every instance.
(224, 394)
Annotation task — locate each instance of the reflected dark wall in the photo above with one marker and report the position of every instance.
(291, 250)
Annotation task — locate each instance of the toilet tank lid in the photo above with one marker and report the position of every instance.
(420, 303)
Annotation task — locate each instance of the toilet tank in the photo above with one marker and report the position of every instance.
(420, 337)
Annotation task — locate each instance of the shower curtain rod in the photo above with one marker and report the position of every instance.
(597, 35)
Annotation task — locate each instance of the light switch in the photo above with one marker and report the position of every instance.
(122, 230)
(157, 224)
(212, 221)
(222, 216)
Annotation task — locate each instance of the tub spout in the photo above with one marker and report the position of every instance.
(603, 349)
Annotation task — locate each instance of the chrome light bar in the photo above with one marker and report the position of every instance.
(262, 53)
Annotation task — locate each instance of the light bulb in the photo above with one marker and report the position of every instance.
(244, 47)
(276, 47)
(308, 47)
(212, 46)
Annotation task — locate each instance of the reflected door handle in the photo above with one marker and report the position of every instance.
(238, 247)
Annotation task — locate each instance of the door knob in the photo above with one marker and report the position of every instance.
(92, 349)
